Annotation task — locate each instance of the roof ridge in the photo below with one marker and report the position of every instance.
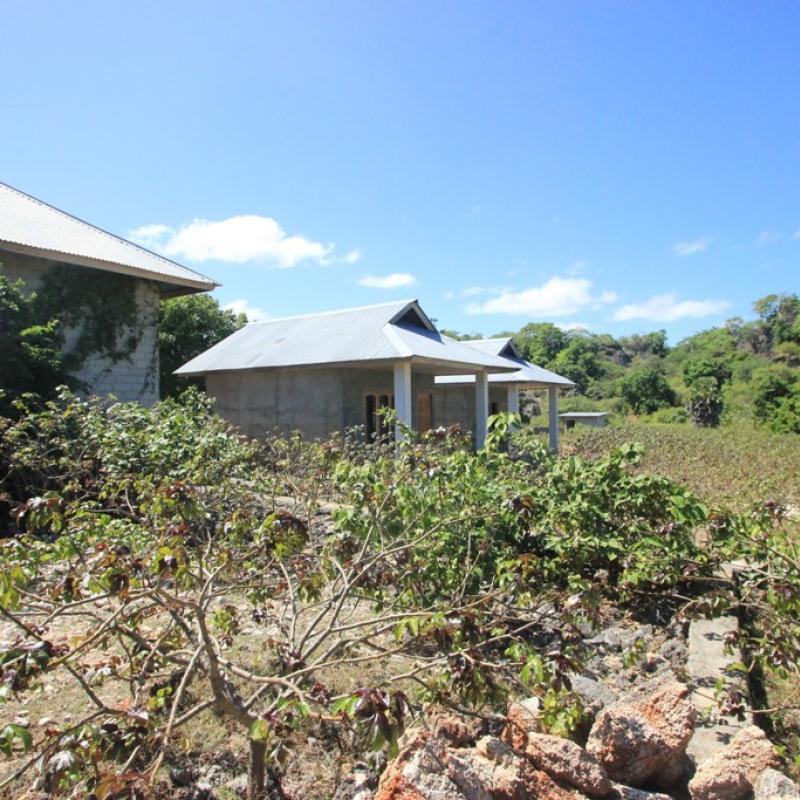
(331, 312)
(104, 232)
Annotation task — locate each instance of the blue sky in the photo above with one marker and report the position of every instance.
(622, 165)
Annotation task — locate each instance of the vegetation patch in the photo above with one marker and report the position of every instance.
(163, 569)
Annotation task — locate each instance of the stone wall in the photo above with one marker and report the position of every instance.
(315, 401)
(134, 378)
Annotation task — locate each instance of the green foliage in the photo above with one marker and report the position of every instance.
(695, 369)
(31, 347)
(540, 342)
(189, 326)
(731, 354)
(776, 400)
(780, 314)
(154, 533)
(654, 344)
(99, 307)
(84, 448)
(541, 520)
(580, 362)
(645, 390)
(705, 403)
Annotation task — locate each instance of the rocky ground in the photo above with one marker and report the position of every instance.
(635, 750)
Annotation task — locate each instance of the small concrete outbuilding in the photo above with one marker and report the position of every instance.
(592, 419)
(453, 396)
(327, 372)
(38, 241)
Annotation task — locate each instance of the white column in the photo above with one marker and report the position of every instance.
(481, 408)
(402, 395)
(513, 399)
(552, 407)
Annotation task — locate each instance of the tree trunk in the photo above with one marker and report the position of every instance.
(256, 770)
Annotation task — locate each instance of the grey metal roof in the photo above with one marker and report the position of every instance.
(28, 225)
(389, 331)
(526, 374)
(584, 414)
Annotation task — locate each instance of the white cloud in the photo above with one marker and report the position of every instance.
(243, 306)
(247, 238)
(449, 295)
(691, 248)
(353, 257)
(395, 280)
(150, 235)
(667, 308)
(767, 237)
(558, 297)
(475, 291)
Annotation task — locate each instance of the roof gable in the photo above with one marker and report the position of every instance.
(413, 316)
(526, 373)
(32, 227)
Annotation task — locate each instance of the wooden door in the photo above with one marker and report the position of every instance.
(424, 412)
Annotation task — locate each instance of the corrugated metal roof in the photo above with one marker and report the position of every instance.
(584, 414)
(353, 335)
(29, 223)
(500, 346)
(526, 374)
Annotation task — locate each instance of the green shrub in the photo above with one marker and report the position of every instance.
(705, 404)
(776, 400)
(31, 348)
(669, 416)
(645, 390)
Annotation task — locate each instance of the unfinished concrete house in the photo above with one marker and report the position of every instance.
(92, 272)
(327, 372)
(454, 395)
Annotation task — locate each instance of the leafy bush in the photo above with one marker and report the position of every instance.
(189, 326)
(645, 390)
(696, 369)
(157, 533)
(669, 416)
(705, 404)
(776, 400)
(31, 347)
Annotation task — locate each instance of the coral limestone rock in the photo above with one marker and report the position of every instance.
(730, 774)
(568, 762)
(641, 736)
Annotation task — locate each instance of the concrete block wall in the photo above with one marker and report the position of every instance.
(315, 401)
(134, 378)
(454, 404)
(258, 401)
